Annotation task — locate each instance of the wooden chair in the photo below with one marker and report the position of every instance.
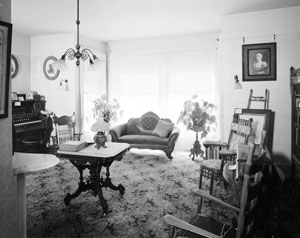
(206, 226)
(218, 153)
(233, 169)
(64, 128)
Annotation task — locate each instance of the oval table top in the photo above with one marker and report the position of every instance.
(31, 162)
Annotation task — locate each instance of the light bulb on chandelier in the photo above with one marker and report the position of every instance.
(71, 53)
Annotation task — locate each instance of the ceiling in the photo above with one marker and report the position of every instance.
(114, 20)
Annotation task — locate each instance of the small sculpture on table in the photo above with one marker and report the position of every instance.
(198, 118)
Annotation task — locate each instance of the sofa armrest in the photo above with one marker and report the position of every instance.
(117, 132)
(174, 135)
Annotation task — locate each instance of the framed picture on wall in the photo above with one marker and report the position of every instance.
(50, 72)
(259, 62)
(5, 58)
(14, 96)
(14, 67)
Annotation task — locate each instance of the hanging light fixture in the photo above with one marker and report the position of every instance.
(237, 84)
(71, 53)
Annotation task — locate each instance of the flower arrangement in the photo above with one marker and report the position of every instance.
(198, 116)
(108, 111)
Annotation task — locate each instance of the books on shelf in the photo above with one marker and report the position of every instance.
(73, 146)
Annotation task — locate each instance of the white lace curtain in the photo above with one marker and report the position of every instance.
(92, 86)
(161, 82)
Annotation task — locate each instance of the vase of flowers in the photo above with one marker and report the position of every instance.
(108, 111)
(104, 113)
(198, 115)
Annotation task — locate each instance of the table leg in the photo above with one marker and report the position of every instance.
(21, 182)
(94, 183)
(82, 186)
(196, 150)
(96, 186)
(107, 183)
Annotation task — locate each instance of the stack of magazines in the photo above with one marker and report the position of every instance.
(73, 146)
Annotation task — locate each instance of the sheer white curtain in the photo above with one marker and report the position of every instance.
(93, 85)
(161, 82)
(134, 84)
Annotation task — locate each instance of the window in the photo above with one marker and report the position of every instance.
(161, 82)
(93, 85)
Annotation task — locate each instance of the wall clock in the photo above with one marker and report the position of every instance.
(49, 71)
(14, 68)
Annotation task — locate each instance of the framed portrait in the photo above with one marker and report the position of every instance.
(14, 67)
(50, 72)
(14, 96)
(259, 62)
(262, 120)
(5, 58)
(29, 95)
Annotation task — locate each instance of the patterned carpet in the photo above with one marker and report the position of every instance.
(154, 186)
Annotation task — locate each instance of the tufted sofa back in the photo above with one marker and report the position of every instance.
(143, 125)
(149, 120)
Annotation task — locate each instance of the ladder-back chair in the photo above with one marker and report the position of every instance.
(218, 153)
(64, 129)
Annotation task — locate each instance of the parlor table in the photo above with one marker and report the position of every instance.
(94, 159)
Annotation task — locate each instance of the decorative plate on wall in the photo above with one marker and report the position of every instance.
(49, 71)
(14, 68)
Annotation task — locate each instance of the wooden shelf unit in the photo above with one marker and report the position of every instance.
(295, 124)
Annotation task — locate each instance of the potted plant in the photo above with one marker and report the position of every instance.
(198, 115)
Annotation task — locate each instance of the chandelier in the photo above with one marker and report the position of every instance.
(71, 53)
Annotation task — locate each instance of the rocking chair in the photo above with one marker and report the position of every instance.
(207, 226)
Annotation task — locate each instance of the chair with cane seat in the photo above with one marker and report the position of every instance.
(207, 226)
(218, 153)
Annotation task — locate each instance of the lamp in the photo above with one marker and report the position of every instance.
(237, 84)
(63, 84)
(100, 126)
(71, 53)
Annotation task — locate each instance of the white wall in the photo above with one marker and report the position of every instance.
(8, 185)
(59, 101)
(21, 50)
(259, 27)
(170, 43)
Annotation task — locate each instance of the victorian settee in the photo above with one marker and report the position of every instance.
(147, 132)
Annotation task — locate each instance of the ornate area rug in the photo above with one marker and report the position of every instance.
(154, 186)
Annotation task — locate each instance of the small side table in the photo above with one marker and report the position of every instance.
(23, 163)
(94, 159)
